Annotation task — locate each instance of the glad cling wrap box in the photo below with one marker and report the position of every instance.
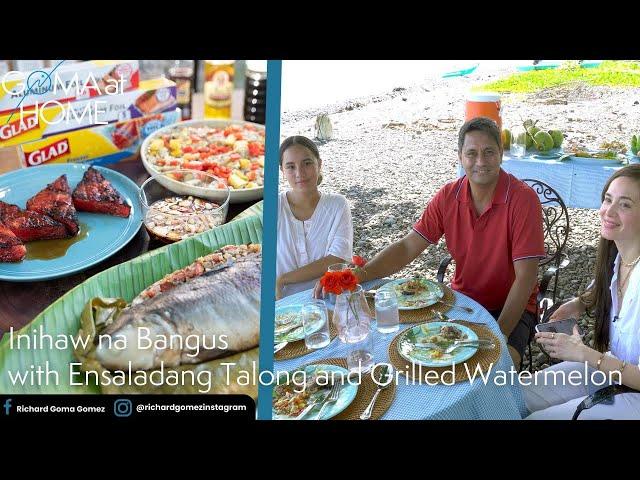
(21, 126)
(97, 145)
(67, 82)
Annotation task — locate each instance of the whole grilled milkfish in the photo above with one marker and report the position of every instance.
(222, 302)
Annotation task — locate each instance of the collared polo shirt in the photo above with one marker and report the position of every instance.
(485, 247)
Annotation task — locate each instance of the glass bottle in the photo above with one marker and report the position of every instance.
(255, 91)
(181, 72)
(218, 88)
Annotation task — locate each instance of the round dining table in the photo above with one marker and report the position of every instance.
(466, 400)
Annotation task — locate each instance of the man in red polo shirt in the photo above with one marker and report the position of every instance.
(492, 224)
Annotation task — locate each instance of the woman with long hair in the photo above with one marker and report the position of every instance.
(614, 300)
(314, 227)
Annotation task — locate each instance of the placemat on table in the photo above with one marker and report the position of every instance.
(366, 390)
(298, 348)
(421, 314)
(484, 358)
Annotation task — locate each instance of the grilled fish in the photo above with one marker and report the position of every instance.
(28, 225)
(95, 194)
(11, 248)
(222, 302)
(55, 202)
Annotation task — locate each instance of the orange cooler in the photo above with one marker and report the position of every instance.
(483, 105)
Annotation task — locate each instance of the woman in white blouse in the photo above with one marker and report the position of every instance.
(614, 299)
(314, 227)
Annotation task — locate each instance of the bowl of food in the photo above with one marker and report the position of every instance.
(171, 216)
(233, 151)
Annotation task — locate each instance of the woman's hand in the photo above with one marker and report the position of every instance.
(570, 309)
(563, 346)
(279, 287)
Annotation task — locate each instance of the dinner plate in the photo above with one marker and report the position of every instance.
(105, 234)
(347, 392)
(432, 294)
(424, 356)
(296, 333)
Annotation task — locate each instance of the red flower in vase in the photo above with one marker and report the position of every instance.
(339, 282)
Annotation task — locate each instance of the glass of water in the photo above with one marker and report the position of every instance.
(360, 354)
(315, 323)
(518, 142)
(387, 315)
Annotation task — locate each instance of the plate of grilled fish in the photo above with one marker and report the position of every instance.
(56, 220)
(180, 319)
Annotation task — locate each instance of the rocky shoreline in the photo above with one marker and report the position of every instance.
(390, 153)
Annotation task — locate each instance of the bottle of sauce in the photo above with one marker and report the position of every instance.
(181, 72)
(255, 91)
(218, 88)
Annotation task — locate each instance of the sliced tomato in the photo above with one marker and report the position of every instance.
(255, 166)
(194, 165)
(187, 149)
(256, 149)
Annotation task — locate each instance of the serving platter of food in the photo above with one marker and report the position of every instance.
(233, 151)
(56, 220)
(415, 293)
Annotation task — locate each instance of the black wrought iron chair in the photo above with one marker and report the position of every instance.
(555, 223)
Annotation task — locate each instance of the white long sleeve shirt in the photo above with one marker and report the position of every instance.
(329, 231)
(624, 332)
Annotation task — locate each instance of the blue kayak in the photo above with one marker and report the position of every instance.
(460, 73)
(539, 66)
(590, 63)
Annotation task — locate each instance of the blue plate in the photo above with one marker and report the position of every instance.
(431, 294)
(596, 161)
(106, 234)
(345, 397)
(295, 334)
(411, 338)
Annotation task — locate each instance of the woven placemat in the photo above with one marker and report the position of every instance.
(484, 358)
(298, 348)
(422, 314)
(366, 390)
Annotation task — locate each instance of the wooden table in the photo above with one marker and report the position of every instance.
(20, 302)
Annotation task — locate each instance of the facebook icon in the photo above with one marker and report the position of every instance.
(7, 406)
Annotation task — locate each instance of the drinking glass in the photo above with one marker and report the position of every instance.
(518, 142)
(387, 315)
(360, 355)
(315, 323)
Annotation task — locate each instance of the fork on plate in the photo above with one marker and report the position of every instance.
(332, 398)
(480, 343)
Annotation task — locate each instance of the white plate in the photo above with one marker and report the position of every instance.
(237, 196)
